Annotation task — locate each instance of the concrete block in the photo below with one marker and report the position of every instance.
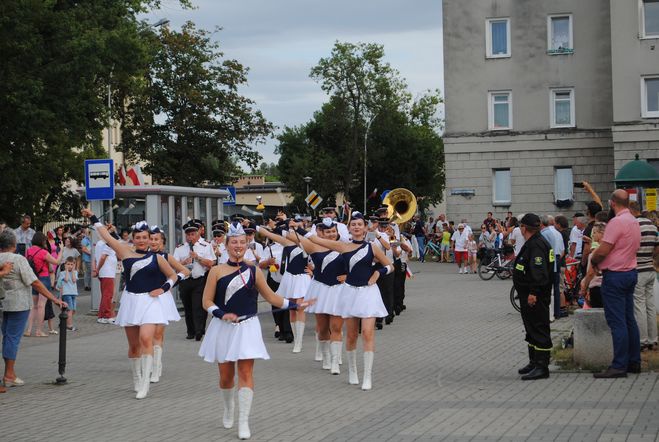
(593, 347)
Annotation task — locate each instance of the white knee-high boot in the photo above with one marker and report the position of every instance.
(147, 367)
(325, 353)
(245, 396)
(335, 352)
(299, 335)
(136, 368)
(227, 398)
(353, 377)
(319, 350)
(368, 370)
(157, 363)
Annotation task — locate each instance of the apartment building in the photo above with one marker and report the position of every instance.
(540, 95)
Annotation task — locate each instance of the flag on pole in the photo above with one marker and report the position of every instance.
(135, 175)
(122, 175)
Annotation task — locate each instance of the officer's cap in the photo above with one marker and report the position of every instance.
(190, 226)
(382, 209)
(530, 220)
(383, 221)
(328, 210)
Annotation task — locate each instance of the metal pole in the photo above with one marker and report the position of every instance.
(61, 365)
(368, 127)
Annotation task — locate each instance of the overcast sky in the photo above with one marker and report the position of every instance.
(281, 40)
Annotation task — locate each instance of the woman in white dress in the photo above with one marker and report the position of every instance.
(234, 338)
(141, 306)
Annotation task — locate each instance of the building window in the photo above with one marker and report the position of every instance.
(497, 37)
(650, 18)
(500, 110)
(559, 34)
(562, 108)
(650, 97)
(501, 187)
(563, 184)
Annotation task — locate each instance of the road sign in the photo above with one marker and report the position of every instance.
(313, 199)
(99, 180)
(231, 199)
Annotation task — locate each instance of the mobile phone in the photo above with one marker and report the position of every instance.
(579, 185)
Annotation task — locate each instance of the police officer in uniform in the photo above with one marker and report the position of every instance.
(533, 277)
(199, 257)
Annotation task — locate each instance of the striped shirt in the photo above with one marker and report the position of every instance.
(649, 240)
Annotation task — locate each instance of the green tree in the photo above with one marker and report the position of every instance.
(187, 121)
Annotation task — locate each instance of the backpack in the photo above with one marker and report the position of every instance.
(30, 261)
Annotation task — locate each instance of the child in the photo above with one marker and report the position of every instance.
(446, 244)
(67, 283)
(472, 248)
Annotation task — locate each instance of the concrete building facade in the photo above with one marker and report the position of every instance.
(532, 91)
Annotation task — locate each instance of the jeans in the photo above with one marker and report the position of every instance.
(618, 299)
(13, 325)
(87, 268)
(421, 241)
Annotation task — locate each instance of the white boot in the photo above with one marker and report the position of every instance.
(157, 363)
(227, 398)
(136, 368)
(325, 353)
(299, 334)
(147, 368)
(335, 352)
(368, 369)
(341, 354)
(353, 377)
(319, 351)
(245, 396)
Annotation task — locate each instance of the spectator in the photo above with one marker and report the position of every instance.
(486, 239)
(420, 234)
(516, 238)
(467, 228)
(576, 235)
(562, 225)
(644, 308)
(69, 251)
(555, 240)
(445, 245)
(17, 302)
(24, 234)
(592, 209)
(67, 284)
(106, 266)
(472, 248)
(86, 249)
(616, 258)
(59, 238)
(459, 242)
(592, 283)
(39, 257)
(489, 221)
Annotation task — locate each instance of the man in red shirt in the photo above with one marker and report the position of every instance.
(616, 258)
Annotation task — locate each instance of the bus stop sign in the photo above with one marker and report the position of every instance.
(99, 180)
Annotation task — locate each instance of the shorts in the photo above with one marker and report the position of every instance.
(472, 255)
(445, 247)
(460, 257)
(71, 301)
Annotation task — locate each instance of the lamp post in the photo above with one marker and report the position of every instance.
(307, 179)
(368, 127)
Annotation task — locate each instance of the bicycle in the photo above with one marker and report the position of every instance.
(496, 265)
(572, 281)
(432, 250)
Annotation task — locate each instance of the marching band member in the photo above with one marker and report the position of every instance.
(382, 240)
(217, 243)
(198, 256)
(328, 274)
(342, 229)
(271, 263)
(360, 297)
(142, 306)
(234, 334)
(295, 282)
(157, 245)
(400, 275)
(254, 249)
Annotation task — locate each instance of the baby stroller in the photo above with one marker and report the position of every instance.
(573, 276)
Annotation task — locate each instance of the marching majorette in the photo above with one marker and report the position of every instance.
(342, 229)
(142, 307)
(360, 297)
(328, 273)
(157, 245)
(295, 281)
(234, 335)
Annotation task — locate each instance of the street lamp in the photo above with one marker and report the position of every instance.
(368, 127)
(307, 179)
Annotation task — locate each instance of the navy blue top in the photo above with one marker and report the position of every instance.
(142, 274)
(360, 265)
(164, 278)
(294, 259)
(327, 266)
(236, 292)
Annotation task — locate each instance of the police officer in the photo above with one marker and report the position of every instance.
(199, 257)
(533, 277)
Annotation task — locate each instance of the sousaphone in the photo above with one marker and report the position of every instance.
(401, 205)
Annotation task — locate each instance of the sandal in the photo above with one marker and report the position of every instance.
(17, 382)
(41, 335)
(53, 332)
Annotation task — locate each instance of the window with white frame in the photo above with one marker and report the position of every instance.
(500, 110)
(559, 34)
(650, 97)
(650, 18)
(497, 37)
(562, 108)
(501, 187)
(563, 184)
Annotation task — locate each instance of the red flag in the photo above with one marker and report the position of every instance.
(135, 175)
(374, 194)
(122, 175)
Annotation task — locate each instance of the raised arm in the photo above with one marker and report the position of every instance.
(588, 188)
(307, 245)
(339, 246)
(274, 237)
(121, 249)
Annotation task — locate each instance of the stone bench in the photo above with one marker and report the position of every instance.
(593, 348)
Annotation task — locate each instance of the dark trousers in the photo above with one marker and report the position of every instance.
(618, 299)
(282, 318)
(386, 286)
(399, 284)
(191, 292)
(536, 319)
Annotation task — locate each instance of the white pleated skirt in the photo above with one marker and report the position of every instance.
(140, 308)
(294, 286)
(227, 341)
(360, 302)
(325, 296)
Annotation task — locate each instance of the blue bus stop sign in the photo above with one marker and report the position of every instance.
(99, 180)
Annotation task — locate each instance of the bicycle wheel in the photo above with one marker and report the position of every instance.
(503, 273)
(485, 271)
(514, 299)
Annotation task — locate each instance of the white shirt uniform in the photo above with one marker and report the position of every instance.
(201, 248)
(273, 251)
(377, 243)
(220, 250)
(254, 252)
(341, 228)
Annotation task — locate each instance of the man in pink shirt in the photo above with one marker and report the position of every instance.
(616, 258)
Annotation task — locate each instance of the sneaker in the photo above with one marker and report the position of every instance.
(112, 320)
(102, 320)
(74, 328)
(460, 271)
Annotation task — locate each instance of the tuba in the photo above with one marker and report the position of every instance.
(401, 205)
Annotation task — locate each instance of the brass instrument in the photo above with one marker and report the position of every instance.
(401, 205)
